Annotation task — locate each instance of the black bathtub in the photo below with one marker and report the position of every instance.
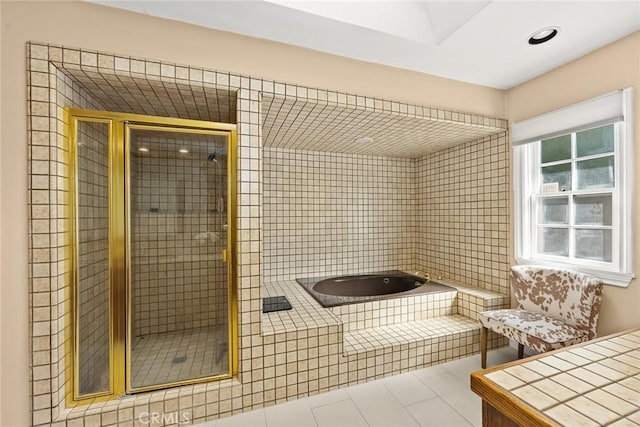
(332, 291)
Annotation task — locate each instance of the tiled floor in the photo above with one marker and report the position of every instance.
(437, 396)
(176, 356)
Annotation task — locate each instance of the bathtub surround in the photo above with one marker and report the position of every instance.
(283, 355)
(331, 213)
(336, 214)
(354, 289)
(463, 205)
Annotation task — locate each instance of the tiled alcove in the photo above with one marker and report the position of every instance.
(275, 366)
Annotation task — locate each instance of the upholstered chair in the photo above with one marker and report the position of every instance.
(555, 308)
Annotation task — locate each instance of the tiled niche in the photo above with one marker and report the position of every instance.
(276, 365)
(445, 213)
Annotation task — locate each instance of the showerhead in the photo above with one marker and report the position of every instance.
(212, 157)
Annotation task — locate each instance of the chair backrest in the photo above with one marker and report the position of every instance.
(572, 297)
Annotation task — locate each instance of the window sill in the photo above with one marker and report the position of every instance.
(613, 278)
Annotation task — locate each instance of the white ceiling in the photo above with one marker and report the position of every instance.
(482, 42)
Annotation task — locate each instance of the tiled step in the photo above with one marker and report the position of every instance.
(420, 333)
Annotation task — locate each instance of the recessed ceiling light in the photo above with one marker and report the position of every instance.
(543, 35)
(143, 149)
(364, 140)
(183, 151)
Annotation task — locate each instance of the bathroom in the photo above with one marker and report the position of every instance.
(444, 211)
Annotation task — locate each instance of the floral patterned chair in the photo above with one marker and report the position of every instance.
(556, 308)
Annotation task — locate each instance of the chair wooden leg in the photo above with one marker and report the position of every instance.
(483, 347)
(520, 351)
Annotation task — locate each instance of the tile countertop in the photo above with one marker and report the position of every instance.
(596, 383)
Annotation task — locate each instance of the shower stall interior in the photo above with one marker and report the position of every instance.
(154, 300)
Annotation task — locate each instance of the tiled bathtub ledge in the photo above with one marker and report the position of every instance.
(446, 336)
(305, 313)
(418, 321)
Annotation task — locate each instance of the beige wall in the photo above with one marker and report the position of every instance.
(1, 232)
(615, 66)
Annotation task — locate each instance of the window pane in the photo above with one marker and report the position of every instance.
(554, 149)
(560, 174)
(553, 241)
(596, 173)
(554, 210)
(594, 141)
(593, 210)
(593, 244)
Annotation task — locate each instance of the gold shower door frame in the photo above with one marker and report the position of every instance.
(120, 310)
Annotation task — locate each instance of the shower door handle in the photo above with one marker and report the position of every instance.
(225, 255)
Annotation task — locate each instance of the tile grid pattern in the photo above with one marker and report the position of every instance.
(175, 356)
(306, 313)
(429, 326)
(463, 212)
(328, 213)
(375, 314)
(292, 122)
(145, 87)
(595, 384)
(48, 157)
(266, 376)
(48, 152)
(436, 396)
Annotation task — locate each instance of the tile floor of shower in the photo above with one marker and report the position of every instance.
(438, 396)
(181, 355)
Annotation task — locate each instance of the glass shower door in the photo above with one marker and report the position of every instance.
(178, 292)
(93, 335)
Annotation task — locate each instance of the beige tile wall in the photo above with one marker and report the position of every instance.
(393, 311)
(446, 214)
(49, 90)
(463, 213)
(330, 213)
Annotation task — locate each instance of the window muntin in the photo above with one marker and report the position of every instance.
(574, 197)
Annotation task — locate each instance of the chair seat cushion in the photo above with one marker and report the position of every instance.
(535, 330)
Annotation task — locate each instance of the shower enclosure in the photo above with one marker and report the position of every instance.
(154, 300)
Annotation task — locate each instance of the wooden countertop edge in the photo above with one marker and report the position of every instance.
(508, 403)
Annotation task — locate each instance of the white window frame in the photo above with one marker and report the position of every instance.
(526, 175)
